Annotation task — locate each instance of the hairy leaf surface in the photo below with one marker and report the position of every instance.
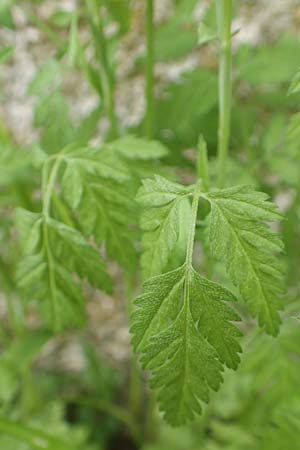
(239, 236)
(182, 326)
(163, 202)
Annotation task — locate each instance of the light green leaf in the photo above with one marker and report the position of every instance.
(6, 53)
(85, 259)
(71, 185)
(162, 201)
(132, 147)
(47, 76)
(205, 34)
(28, 225)
(97, 161)
(53, 253)
(295, 84)
(97, 185)
(32, 436)
(239, 236)
(159, 191)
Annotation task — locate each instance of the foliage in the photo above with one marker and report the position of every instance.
(90, 207)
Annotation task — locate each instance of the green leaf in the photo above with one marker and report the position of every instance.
(17, 359)
(71, 185)
(177, 36)
(295, 84)
(53, 116)
(256, 65)
(47, 77)
(28, 225)
(182, 329)
(162, 201)
(238, 236)
(132, 147)
(85, 259)
(53, 253)
(120, 12)
(272, 361)
(285, 425)
(34, 437)
(96, 184)
(6, 53)
(205, 34)
(96, 161)
(196, 95)
(18, 164)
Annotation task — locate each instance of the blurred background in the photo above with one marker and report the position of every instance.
(83, 388)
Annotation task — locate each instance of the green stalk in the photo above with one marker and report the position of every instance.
(224, 15)
(202, 163)
(149, 68)
(106, 75)
(48, 183)
(192, 230)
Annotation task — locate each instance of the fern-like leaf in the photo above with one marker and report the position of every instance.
(182, 328)
(96, 185)
(239, 236)
(163, 203)
(53, 253)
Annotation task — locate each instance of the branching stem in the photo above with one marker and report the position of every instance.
(224, 14)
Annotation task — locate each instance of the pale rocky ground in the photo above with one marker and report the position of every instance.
(257, 20)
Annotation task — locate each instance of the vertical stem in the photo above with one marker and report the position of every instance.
(48, 183)
(202, 163)
(192, 230)
(149, 68)
(224, 14)
(106, 76)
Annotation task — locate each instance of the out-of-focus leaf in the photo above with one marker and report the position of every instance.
(6, 53)
(181, 110)
(258, 66)
(205, 34)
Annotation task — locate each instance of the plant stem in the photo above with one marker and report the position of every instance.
(106, 76)
(48, 183)
(149, 68)
(135, 387)
(192, 230)
(151, 423)
(202, 163)
(224, 13)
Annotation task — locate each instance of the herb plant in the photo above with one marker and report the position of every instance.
(190, 241)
